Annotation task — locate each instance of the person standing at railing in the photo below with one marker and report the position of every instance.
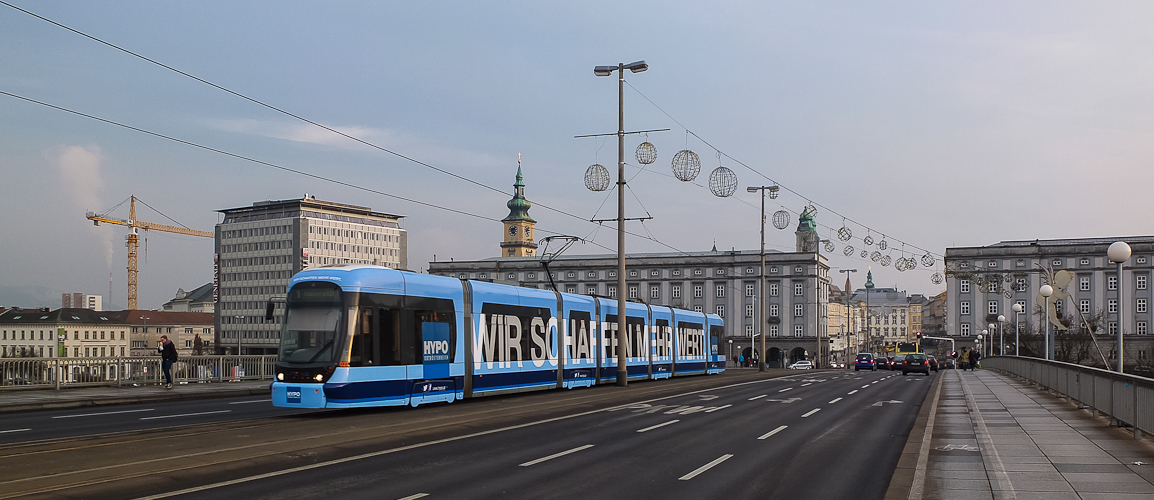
(167, 352)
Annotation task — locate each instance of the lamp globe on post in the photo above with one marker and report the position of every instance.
(1118, 253)
(1046, 291)
(1017, 311)
(990, 341)
(1001, 335)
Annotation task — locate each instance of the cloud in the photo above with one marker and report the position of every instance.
(79, 170)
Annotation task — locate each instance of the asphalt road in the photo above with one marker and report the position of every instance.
(815, 434)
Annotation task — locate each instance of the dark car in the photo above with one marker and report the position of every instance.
(865, 361)
(883, 363)
(933, 362)
(948, 364)
(915, 362)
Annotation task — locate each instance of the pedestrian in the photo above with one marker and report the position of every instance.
(741, 360)
(167, 352)
(977, 357)
(965, 359)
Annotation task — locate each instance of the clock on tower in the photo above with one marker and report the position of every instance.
(518, 240)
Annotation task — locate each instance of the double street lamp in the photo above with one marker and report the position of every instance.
(761, 292)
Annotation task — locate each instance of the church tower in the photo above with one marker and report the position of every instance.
(807, 238)
(518, 225)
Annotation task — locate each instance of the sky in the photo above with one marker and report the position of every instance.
(931, 125)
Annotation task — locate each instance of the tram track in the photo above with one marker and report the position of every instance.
(222, 450)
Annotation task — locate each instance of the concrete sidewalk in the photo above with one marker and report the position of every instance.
(995, 437)
(49, 399)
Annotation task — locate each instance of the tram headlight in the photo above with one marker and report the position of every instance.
(320, 377)
(280, 376)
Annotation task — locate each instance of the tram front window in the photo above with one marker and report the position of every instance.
(310, 335)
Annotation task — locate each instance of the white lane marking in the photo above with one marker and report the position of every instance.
(807, 383)
(876, 381)
(786, 389)
(104, 413)
(775, 431)
(704, 468)
(757, 397)
(267, 400)
(864, 386)
(811, 412)
(14, 430)
(711, 410)
(363, 456)
(851, 392)
(415, 497)
(555, 455)
(186, 414)
(654, 427)
(835, 400)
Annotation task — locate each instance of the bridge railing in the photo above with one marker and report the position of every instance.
(1129, 399)
(54, 373)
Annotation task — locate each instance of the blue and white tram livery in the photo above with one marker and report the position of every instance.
(357, 336)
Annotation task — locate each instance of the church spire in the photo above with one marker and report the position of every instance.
(519, 206)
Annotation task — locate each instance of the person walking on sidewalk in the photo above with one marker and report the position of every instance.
(167, 352)
(965, 359)
(976, 358)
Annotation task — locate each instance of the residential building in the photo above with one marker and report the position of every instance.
(887, 313)
(182, 328)
(259, 248)
(82, 301)
(934, 316)
(198, 300)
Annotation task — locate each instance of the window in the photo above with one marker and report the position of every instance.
(510, 276)
(749, 270)
(1084, 261)
(992, 307)
(798, 310)
(798, 330)
(531, 276)
(677, 272)
(1084, 306)
(963, 265)
(749, 289)
(612, 292)
(1140, 306)
(993, 263)
(1142, 260)
(655, 272)
(798, 289)
(571, 289)
(749, 310)
(1113, 328)
(1140, 282)
(773, 289)
(748, 330)
(1084, 283)
(721, 272)
(964, 307)
(632, 274)
(612, 274)
(721, 310)
(1111, 282)
(965, 329)
(677, 291)
(797, 270)
(1023, 304)
(591, 290)
(964, 286)
(633, 291)
(773, 330)
(697, 272)
(1142, 328)
(773, 269)
(698, 291)
(654, 292)
(591, 274)
(720, 290)
(1112, 305)
(696, 308)
(1057, 262)
(773, 310)
(1021, 285)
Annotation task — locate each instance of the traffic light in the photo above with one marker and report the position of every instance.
(304, 259)
(919, 334)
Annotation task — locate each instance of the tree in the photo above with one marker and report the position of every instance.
(197, 346)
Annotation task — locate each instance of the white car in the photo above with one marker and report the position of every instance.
(801, 365)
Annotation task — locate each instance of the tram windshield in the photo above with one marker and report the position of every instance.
(312, 323)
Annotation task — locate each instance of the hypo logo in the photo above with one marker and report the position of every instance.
(293, 394)
(436, 350)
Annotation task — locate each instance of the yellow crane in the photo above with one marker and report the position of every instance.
(133, 243)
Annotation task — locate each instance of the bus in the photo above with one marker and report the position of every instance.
(361, 335)
(908, 348)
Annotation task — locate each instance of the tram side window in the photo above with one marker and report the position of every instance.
(715, 334)
(364, 351)
(422, 317)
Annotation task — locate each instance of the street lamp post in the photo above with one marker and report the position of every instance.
(984, 335)
(1046, 291)
(848, 314)
(761, 282)
(1017, 312)
(730, 351)
(1118, 253)
(239, 319)
(636, 67)
(1001, 335)
(990, 341)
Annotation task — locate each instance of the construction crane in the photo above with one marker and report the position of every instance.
(133, 242)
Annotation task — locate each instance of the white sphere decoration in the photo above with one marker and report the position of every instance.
(1046, 290)
(722, 182)
(686, 165)
(597, 177)
(1118, 252)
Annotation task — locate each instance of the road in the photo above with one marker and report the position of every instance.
(814, 434)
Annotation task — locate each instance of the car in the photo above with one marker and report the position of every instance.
(915, 362)
(801, 365)
(883, 362)
(948, 364)
(933, 362)
(865, 361)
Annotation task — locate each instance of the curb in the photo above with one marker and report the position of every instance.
(903, 479)
(121, 400)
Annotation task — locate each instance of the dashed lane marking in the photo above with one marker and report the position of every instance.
(758, 397)
(786, 389)
(811, 412)
(267, 400)
(555, 455)
(415, 497)
(705, 467)
(105, 413)
(186, 414)
(851, 392)
(807, 383)
(656, 426)
(835, 400)
(14, 430)
(711, 410)
(775, 431)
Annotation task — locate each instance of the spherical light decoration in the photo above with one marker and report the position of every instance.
(646, 153)
(811, 209)
(911, 263)
(928, 260)
(844, 233)
(1009, 278)
(937, 278)
(773, 193)
(686, 165)
(597, 177)
(848, 251)
(868, 240)
(886, 260)
(900, 264)
(829, 247)
(722, 182)
(865, 254)
(876, 256)
(781, 219)
(1009, 294)
(1118, 252)
(882, 244)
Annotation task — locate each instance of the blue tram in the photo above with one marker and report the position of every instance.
(359, 335)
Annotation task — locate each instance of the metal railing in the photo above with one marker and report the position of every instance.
(1128, 399)
(54, 373)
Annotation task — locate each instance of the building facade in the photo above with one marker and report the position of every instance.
(84, 333)
(198, 300)
(82, 301)
(985, 282)
(518, 240)
(260, 247)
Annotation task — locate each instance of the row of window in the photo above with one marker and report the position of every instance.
(1140, 306)
(1084, 261)
(257, 275)
(632, 273)
(775, 331)
(254, 232)
(1141, 328)
(256, 246)
(254, 290)
(348, 233)
(1083, 284)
